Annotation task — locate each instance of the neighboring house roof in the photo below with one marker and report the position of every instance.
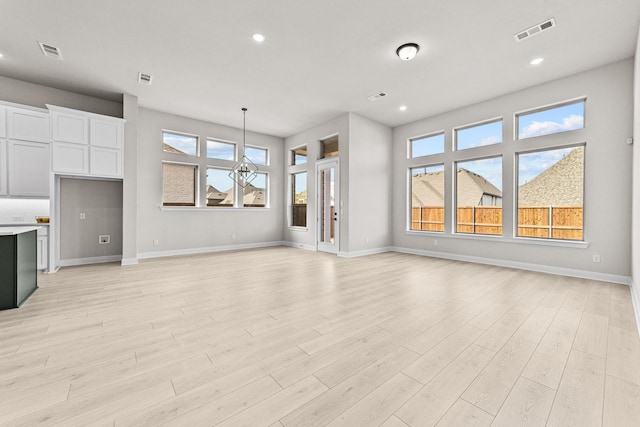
(428, 187)
(560, 185)
(169, 149)
(251, 196)
(214, 194)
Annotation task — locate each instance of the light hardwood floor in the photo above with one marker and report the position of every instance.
(286, 337)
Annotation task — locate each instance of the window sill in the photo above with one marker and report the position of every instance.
(501, 239)
(293, 228)
(208, 208)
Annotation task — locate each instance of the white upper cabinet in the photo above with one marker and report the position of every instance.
(106, 133)
(28, 125)
(86, 143)
(69, 128)
(29, 168)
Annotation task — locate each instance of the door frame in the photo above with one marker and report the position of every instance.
(323, 164)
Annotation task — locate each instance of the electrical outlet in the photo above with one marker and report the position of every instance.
(17, 218)
(156, 242)
(596, 258)
(233, 237)
(105, 238)
(435, 242)
(83, 215)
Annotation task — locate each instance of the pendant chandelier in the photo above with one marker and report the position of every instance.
(245, 170)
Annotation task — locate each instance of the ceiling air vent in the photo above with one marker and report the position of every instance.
(537, 29)
(377, 96)
(50, 51)
(145, 78)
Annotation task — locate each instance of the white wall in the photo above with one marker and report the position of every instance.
(130, 181)
(200, 229)
(636, 181)
(607, 204)
(20, 92)
(369, 181)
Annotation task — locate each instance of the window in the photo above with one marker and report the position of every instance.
(219, 188)
(556, 119)
(299, 199)
(427, 198)
(479, 135)
(479, 196)
(255, 194)
(330, 147)
(178, 143)
(426, 145)
(550, 193)
(221, 150)
(299, 155)
(179, 184)
(256, 155)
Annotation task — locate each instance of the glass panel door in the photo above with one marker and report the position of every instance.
(328, 207)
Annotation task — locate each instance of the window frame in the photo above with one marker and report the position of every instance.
(222, 141)
(257, 147)
(425, 136)
(516, 195)
(410, 196)
(196, 185)
(172, 132)
(456, 129)
(454, 212)
(547, 107)
(292, 203)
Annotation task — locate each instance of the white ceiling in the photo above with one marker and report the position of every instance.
(321, 58)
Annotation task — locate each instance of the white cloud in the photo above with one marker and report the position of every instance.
(572, 122)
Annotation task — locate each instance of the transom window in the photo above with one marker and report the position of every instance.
(488, 133)
(178, 143)
(550, 120)
(221, 150)
(257, 155)
(299, 155)
(426, 145)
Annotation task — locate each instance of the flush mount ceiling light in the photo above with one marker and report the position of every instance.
(407, 51)
(259, 37)
(245, 170)
(537, 61)
(403, 108)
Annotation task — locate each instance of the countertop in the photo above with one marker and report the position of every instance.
(12, 231)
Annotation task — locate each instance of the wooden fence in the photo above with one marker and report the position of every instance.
(556, 222)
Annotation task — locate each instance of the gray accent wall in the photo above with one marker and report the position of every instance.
(101, 202)
(636, 182)
(20, 92)
(608, 170)
(191, 229)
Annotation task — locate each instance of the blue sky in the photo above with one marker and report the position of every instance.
(221, 150)
(301, 182)
(220, 179)
(560, 119)
(490, 169)
(478, 136)
(426, 146)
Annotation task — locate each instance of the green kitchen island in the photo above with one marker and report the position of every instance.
(18, 265)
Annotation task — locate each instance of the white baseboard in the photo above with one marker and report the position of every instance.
(592, 275)
(365, 252)
(300, 246)
(190, 251)
(90, 260)
(636, 304)
(129, 261)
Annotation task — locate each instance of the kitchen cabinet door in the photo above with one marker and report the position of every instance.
(29, 169)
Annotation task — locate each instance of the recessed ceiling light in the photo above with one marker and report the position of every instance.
(1, 55)
(403, 108)
(537, 61)
(259, 37)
